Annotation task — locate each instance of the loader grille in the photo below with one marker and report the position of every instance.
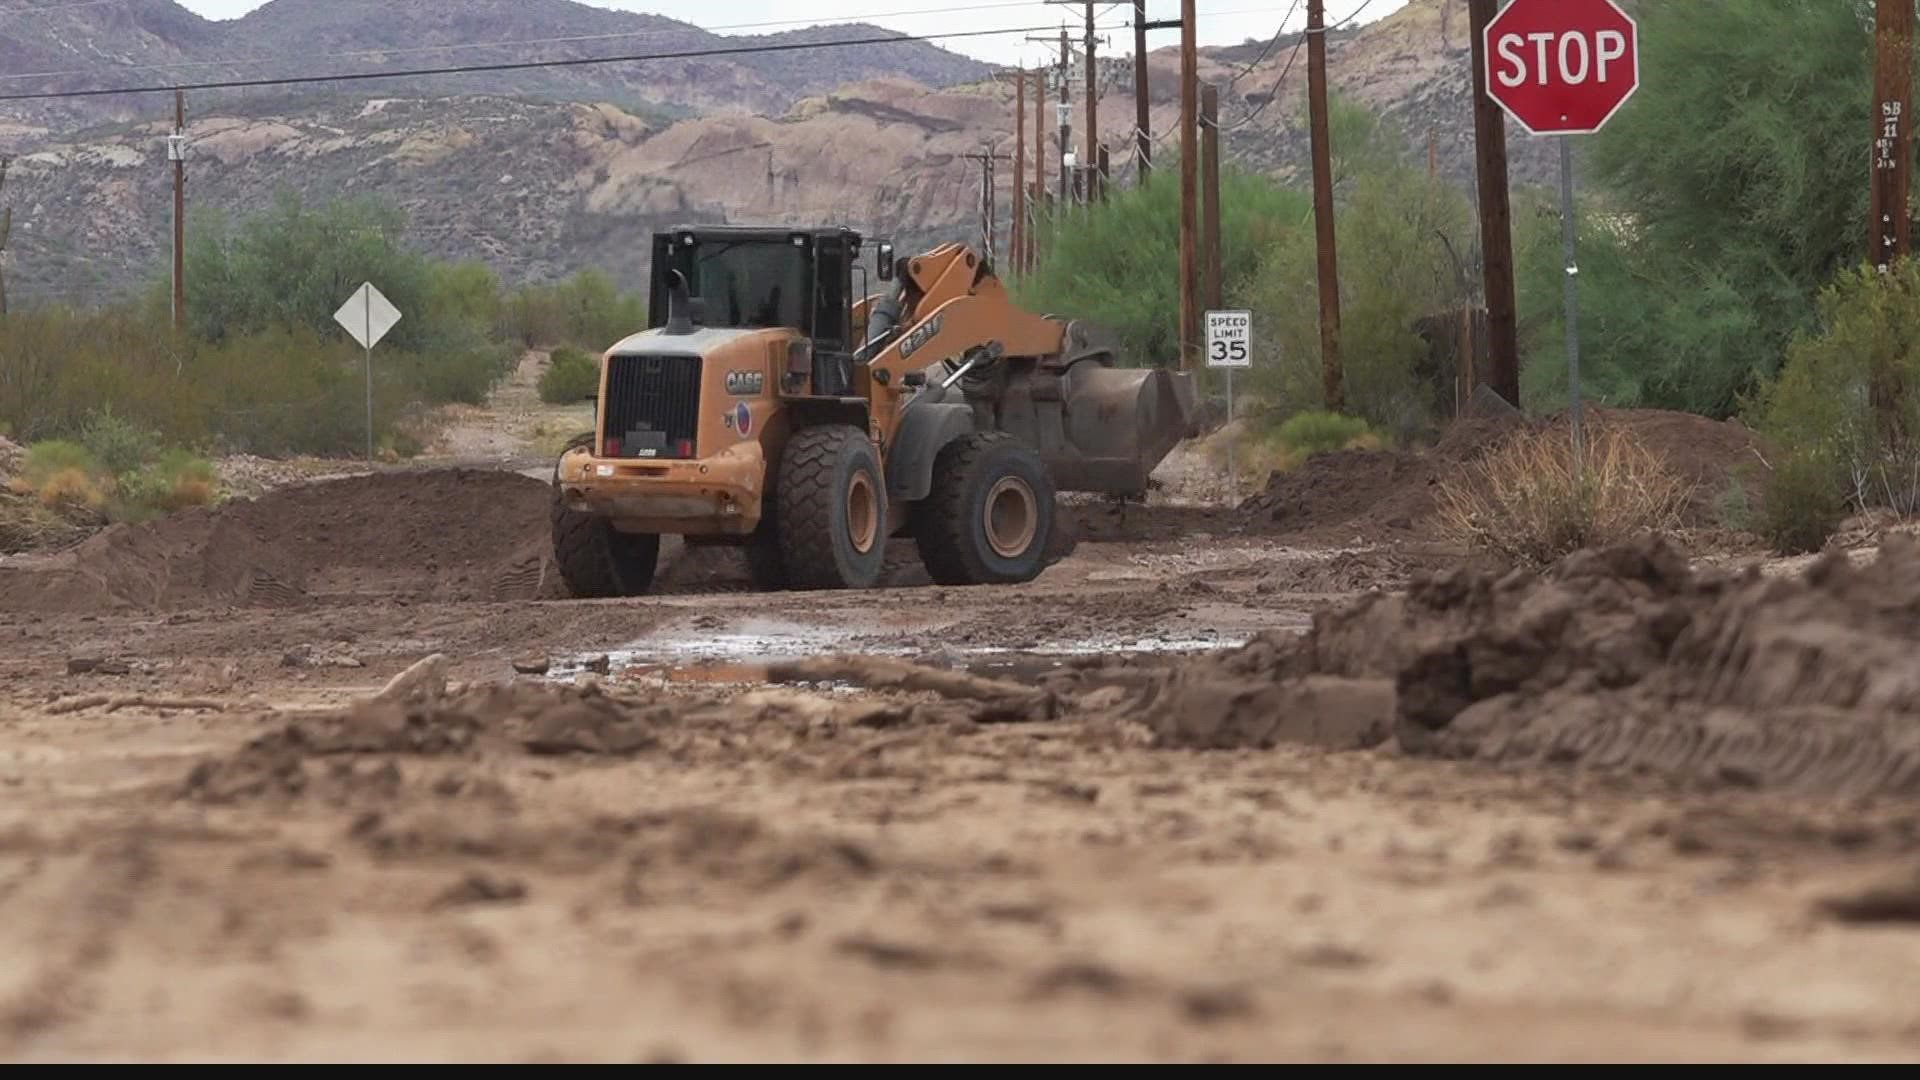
(652, 406)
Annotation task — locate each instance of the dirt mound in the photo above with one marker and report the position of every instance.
(457, 534)
(531, 717)
(1376, 494)
(1616, 658)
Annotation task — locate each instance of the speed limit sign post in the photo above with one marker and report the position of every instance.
(1230, 346)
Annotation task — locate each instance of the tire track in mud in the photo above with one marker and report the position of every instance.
(80, 939)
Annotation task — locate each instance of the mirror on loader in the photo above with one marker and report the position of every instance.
(885, 259)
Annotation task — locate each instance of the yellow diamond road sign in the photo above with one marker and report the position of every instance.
(367, 315)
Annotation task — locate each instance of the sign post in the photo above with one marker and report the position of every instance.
(368, 315)
(1230, 346)
(1564, 68)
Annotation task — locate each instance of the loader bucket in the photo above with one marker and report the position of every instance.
(1107, 428)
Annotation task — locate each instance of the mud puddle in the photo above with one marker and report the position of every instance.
(739, 654)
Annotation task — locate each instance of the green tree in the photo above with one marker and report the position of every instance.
(1116, 265)
(1402, 239)
(1734, 187)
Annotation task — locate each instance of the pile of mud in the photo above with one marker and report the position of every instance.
(1622, 658)
(353, 752)
(1385, 493)
(456, 534)
(414, 536)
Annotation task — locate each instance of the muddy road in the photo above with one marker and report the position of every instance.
(347, 786)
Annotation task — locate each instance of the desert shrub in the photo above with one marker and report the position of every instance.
(1732, 508)
(75, 483)
(46, 459)
(1282, 447)
(1311, 433)
(1818, 414)
(571, 377)
(176, 481)
(1530, 501)
(1805, 502)
(586, 311)
(119, 444)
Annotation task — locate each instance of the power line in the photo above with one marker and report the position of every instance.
(1291, 58)
(567, 40)
(523, 65)
(1277, 35)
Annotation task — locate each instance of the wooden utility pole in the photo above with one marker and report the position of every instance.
(989, 206)
(1210, 197)
(1039, 163)
(1332, 383)
(1066, 113)
(1142, 140)
(1889, 241)
(1093, 97)
(6, 230)
(1091, 155)
(177, 150)
(1496, 216)
(1189, 180)
(1017, 240)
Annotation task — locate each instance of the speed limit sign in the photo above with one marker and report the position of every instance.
(1229, 339)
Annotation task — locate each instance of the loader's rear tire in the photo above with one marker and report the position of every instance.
(830, 509)
(990, 516)
(596, 560)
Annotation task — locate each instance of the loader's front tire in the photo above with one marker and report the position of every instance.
(596, 560)
(990, 516)
(830, 511)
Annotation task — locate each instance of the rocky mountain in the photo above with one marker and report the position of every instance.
(544, 176)
(52, 45)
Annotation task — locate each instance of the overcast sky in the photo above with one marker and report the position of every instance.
(1220, 22)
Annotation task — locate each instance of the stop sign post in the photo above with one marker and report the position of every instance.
(1563, 68)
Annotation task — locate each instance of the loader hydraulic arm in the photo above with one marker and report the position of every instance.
(952, 304)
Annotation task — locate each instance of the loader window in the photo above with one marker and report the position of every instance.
(832, 315)
(753, 284)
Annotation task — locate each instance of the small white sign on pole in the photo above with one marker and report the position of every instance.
(1230, 346)
(368, 315)
(1229, 339)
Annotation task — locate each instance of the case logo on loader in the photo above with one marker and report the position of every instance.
(746, 383)
(921, 336)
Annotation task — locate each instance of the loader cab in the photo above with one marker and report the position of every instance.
(744, 277)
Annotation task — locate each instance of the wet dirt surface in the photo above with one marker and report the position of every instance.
(438, 826)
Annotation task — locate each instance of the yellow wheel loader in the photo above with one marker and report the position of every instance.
(767, 406)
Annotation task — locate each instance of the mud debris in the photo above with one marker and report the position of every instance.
(1895, 900)
(997, 700)
(1620, 659)
(381, 535)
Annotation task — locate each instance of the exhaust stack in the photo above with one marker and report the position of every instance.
(679, 305)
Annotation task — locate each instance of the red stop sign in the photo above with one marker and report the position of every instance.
(1562, 67)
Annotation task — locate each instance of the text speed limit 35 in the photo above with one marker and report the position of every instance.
(1229, 339)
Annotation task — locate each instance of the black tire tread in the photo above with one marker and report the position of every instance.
(944, 518)
(804, 504)
(583, 547)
